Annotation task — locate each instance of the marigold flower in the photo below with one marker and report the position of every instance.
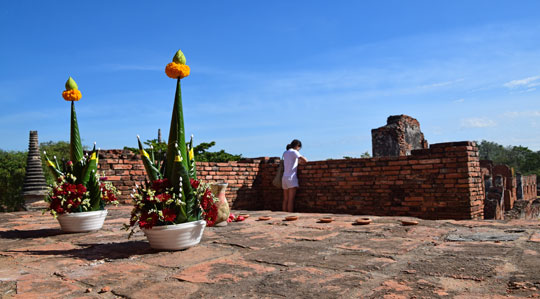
(175, 70)
(72, 95)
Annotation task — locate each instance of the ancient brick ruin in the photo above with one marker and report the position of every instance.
(399, 137)
(508, 194)
(442, 181)
(35, 186)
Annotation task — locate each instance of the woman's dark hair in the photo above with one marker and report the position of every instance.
(294, 144)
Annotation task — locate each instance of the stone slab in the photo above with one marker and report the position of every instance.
(273, 259)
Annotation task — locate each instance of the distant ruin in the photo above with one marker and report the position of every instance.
(398, 137)
(35, 186)
(508, 194)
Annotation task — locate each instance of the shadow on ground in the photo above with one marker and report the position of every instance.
(30, 234)
(90, 252)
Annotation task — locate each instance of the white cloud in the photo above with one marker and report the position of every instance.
(514, 114)
(475, 122)
(527, 82)
(459, 100)
(441, 84)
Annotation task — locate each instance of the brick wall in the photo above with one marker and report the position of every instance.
(442, 182)
(123, 168)
(529, 187)
(243, 177)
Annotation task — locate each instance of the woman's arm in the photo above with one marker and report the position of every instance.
(302, 160)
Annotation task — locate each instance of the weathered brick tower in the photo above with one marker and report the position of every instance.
(399, 137)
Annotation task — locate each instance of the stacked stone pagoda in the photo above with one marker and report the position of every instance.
(35, 186)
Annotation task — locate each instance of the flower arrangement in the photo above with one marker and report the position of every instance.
(78, 186)
(172, 194)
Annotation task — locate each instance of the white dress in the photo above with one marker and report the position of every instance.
(290, 165)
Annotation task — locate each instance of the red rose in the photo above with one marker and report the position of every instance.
(206, 200)
(194, 183)
(211, 215)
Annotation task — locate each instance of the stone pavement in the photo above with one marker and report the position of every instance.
(274, 259)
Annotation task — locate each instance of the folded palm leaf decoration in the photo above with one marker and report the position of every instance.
(78, 186)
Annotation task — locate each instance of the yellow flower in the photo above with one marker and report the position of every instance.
(175, 70)
(72, 95)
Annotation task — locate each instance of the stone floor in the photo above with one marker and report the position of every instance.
(273, 259)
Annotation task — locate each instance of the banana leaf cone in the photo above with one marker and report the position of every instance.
(177, 134)
(151, 170)
(75, 146)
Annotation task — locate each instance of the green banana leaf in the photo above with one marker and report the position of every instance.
(90, 167)
(75, 149)
(191, 154)
(151, 170)
(78, 169)
(188, 195)
(177, 133)
(95, 192)
(178, 189)
(54, 169)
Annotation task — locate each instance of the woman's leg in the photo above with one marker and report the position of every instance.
(291, 195)
(284, 206)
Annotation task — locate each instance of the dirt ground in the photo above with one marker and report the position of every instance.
(274, 259)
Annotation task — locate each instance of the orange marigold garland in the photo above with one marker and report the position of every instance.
(72, 95)
(175, 70)
(72, 92)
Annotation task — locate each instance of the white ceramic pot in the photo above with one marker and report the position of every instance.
(82, 222)
(175, 236)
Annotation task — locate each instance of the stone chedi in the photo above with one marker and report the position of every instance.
(35, 186)
(399, 137)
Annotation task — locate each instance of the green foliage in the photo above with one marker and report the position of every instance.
(12, 171)
(202, 154)
(362, 156)
(58, 149)
(521, 158)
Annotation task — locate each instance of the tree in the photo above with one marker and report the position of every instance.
(362, 156)
(12, 172)
(201, 152)
(521, 158)
(58, 149)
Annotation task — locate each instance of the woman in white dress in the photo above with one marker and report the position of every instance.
(289, 181)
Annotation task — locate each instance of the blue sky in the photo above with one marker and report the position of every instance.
(263, 73)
